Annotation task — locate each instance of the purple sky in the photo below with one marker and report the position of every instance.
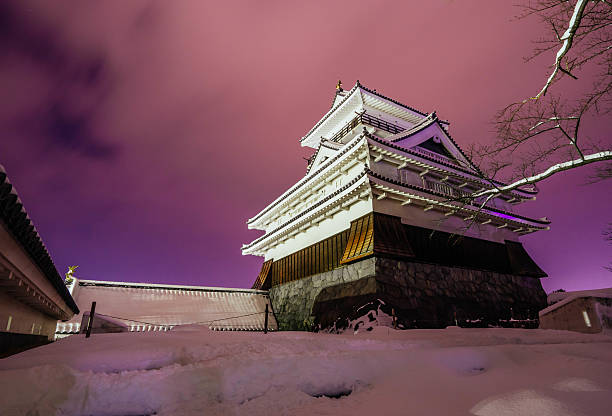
(142, 135)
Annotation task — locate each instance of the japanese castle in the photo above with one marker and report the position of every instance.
(380, 217)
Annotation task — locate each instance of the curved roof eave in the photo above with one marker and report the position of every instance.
(394, 145)
(24, 232)
(542, 223)
(341, 152)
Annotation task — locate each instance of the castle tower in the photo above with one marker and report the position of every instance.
(381, 215)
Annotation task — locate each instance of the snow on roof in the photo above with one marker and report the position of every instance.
(83, 282)
(563, 298)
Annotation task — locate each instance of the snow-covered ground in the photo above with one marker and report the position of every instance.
(194, 371)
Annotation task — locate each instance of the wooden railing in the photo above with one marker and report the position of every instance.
(366, 119)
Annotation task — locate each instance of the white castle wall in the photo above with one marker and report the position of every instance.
(324, 229)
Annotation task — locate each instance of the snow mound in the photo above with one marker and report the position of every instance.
(523, 403)
(577, 384)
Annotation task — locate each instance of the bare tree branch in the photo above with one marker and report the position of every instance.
(559, 167)
(567, 38)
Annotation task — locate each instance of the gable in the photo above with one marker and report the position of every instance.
(434, 144)
(325, 151)
(432, 137)
(338, 97)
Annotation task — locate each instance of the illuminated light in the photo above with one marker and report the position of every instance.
(8, 324)
(428, 208)
(504, 225)
(381, 196)
(508, 217)
(406, 202)
(587, 321)
(449, 213)
(486, 222)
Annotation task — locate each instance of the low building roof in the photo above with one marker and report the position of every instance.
(563, 298)
(16, 220)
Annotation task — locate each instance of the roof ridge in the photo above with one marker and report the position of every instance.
(390, 99)
(331, 110)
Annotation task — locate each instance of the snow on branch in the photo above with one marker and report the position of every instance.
(567, 38)
(559, 167)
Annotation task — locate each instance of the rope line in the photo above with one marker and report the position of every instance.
(184, 323)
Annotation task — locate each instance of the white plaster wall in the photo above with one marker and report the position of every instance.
(24, 318)
(385, 168)
(22, 261)
(414, 215)
(326, 228)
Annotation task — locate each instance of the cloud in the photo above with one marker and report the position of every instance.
(62, 115)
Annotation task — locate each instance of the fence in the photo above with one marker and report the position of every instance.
(112, 323)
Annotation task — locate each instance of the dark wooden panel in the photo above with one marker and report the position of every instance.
(520, 261)
(391, 237)
(263, 280)
(314, 259)
(360, 238)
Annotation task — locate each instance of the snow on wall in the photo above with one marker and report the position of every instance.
(148, 307)
(558, 299)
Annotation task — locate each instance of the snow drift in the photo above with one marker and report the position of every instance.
(197, 371)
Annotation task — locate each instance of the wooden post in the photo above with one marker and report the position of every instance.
(266, 320)
(91, 318)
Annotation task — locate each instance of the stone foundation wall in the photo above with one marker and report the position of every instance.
(423, 295)
(437, 295)
(292, 302)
